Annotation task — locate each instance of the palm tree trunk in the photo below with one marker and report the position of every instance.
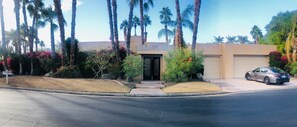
(145, 34)
(115, 23)
(19, 50)
(196, 21)
(111, 25)
(129, 26)
(3, 36)
(179, 31)
(61, 21)
(31, 39)
(125, 33)
(36, 40)
(72, 58)
(166, 34)
(135, 30)
(141, 21)
(53, 50)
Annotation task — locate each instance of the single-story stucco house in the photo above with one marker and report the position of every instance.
(222, 61)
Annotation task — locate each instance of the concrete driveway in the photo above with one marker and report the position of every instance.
(242, 85)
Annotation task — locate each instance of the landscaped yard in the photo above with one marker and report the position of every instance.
(192, 87)
(83, 85)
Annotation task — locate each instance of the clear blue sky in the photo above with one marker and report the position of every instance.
(217, 18)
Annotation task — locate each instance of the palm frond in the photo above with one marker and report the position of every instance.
(188, 12)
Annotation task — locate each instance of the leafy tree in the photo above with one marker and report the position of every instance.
(133, 66)
(231, 39)
(196, 21)
(165, 17)
(218, 40)
(99, 61)
(256, 33)
(136, 22)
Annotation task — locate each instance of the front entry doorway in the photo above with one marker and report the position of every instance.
(151, 67)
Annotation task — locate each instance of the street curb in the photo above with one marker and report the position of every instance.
(64, 91)
(114, 94)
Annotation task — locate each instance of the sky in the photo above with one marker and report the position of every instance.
(217, 18)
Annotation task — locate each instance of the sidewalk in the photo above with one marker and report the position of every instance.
(148, 89)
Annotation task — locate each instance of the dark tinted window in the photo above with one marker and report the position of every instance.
(277, 70)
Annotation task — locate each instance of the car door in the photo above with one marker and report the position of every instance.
(262, 74)
(257, 74)
(254, 74)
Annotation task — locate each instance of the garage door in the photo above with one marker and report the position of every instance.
(242, 64)
(212, 67)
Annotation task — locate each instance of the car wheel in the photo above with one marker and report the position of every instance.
(266, 80)
(248, 77)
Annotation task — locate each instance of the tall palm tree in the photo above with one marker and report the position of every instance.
(196, 21)
(3, 35)
(49, 16)
(242, 39)
(231, 39)
(178, 40)
(61, 22)
(34, 9)
(18, 33)
(115, 23)
(136, 22)
(165, 17)
(111, 25)
(25, 25)
(218, 40)
(124, 26)
(147, 21)
(73, 19)
(131, 8)
(144, 6)
(256, 34)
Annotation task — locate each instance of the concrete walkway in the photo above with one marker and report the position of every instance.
(148, 89)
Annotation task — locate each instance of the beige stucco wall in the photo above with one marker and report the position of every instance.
(226, 52)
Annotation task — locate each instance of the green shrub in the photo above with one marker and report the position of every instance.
(293, 68)
(67, 72)
(181, 64)
(133, 66)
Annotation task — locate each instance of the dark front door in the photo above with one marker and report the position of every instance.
(151, 69)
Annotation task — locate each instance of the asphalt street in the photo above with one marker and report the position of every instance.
(276, 108)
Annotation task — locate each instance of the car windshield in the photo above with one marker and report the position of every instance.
(277, 70)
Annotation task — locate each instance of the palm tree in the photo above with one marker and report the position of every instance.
(178, 41)
(124, 26)
(185, 17)
(115, 23)
(49, 16)
(136, 22)
(256, 33)
(61, 22)
(144, 6)
(147, 21)
(72, 53)
(3, 35)
(111, 25)
(18, 33)
(218, 40)
(231, 39)
(242, 39)
(131, 6)
(196, 21)
(165, 17)
(34, 9)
